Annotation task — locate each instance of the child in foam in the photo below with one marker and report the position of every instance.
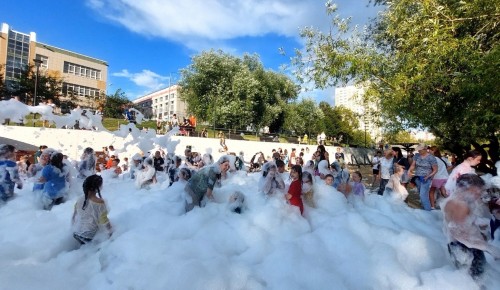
(236, 202)
(295, 191)
(135, 166)
(90, 211)
(307, 189)
(9, 175)
(55, 183)
(329, 179)
(202, 183)
(271, 181)
(147, 176)
(35, 170)
(394, 187)
(357, 186)
(87, 165)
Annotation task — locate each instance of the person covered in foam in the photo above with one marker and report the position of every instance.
(236, 202)
(146, 176)
(9, 174)
(202, 183)
(136, 165)
(271, 181)
(394, 188)
(464, 226)
(324, 169)
(55, 178)
(307, 188)
(90, 211)
(86, 166)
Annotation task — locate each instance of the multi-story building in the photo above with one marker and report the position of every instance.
(163, 103)
(351, 97)
(84, 77)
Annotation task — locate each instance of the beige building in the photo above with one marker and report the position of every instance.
(164, 103)
(84, 77)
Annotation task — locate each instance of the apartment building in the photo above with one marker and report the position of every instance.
(84, 77)
(351, 97)
(163, 103)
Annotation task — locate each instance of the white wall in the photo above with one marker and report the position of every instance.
(73, 142)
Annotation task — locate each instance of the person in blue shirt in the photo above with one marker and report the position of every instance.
(9, 174)
(54, 177)
(129, 115)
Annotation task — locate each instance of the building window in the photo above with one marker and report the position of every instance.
(44, 59)
(17, 55)
(78, 70)
(78, 90)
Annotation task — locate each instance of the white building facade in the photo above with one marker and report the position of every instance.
(164, 103)
(351, 97)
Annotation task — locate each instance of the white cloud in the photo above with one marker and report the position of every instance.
(193, 22)
(146, 79)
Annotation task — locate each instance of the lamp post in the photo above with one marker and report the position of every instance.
(37, 62)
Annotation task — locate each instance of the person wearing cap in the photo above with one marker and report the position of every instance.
(203, 182)
(424, 167)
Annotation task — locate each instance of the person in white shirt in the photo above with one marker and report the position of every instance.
(441, 176)
(376, 166)
(112, 151)
(90, 213)
(386, 170)
(174, 121)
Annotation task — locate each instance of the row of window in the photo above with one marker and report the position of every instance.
(161, 105)
(79, 90)
(18, 36)
(160, 99)
(165, 112)
(83, 71)
(17, 55)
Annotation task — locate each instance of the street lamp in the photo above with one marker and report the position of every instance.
(38, 62)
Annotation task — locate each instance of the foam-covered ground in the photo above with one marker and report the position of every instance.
(375, 244)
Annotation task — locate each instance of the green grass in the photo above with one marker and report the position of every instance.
(113, 124)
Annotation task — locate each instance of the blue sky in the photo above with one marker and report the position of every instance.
(147, 42)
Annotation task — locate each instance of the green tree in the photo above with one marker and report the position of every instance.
(48, 87)
(3, 91)
(115, 103)
(303, 117)
(399, 137)
(234, 92)
(431, 64)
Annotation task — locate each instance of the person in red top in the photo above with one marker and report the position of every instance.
(295, 191)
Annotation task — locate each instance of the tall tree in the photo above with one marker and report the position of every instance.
(48, 86)
(432, 64)
(3, 91)
(113, 107)
(304, 117)
(234, 92)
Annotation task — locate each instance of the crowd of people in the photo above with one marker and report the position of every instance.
(292, 177)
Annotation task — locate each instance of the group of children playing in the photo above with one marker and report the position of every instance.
(303, 177)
